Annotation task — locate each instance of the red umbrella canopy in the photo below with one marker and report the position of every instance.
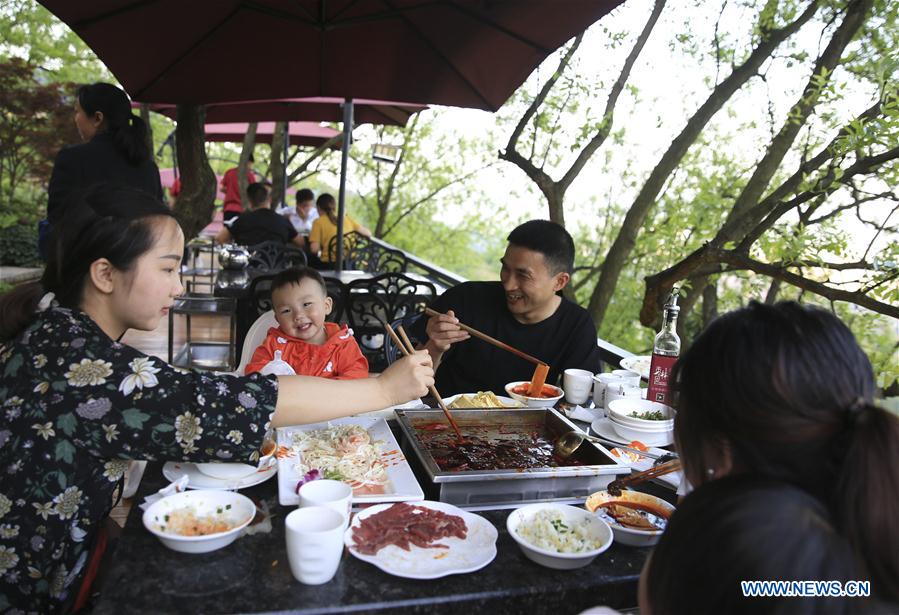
(467, 53)
(315, 109)
(301, 133)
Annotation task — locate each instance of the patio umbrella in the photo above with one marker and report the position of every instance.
(300, 133)
(467, 53)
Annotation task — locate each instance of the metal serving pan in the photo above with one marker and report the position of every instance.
(512, 486)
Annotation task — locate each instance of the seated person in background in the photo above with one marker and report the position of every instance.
(304, 214)
(325, 227)
(749, 528)
(523, 310)
(303, 340)
(260, 223)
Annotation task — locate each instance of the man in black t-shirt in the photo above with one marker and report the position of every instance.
(525, 310)
(260, 223)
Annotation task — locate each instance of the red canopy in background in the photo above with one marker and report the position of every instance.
(315, 109)
(466, 53)
(301, 133)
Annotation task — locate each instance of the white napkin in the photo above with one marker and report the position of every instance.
(176, 487)
(587, 415)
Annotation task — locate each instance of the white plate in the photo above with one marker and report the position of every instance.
(603, 428)
(402, 485)
(173, 470)
(473, 553)
(639, 364)
(510, 403)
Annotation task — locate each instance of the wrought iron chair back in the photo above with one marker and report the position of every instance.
(371, 302)
(391, 352)
(275, 256)
(365, 255)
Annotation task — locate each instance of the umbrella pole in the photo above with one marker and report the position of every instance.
(344, 157)
(286, 147)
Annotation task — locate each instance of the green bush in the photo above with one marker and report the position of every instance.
(18, 246)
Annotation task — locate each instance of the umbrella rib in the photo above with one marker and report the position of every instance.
(86, 23)
(424, 39)
(161, 74)
(510, 33)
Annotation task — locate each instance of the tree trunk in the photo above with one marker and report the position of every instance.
(249, 142)
(624, 243)
(278, 164)
(195, 204)
(709, 304)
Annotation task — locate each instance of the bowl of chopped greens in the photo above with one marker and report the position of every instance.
(559, 536)
(642, 414)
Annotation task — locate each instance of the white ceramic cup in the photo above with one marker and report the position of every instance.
(314, 543)
(577, 384)
(631, 377)
(600, 383)
(332, 494)
(620, 390)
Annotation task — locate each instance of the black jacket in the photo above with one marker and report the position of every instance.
(80, 166)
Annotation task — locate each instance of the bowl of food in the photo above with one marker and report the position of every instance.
(547, 398)
(637, 519)
(199, 521)
(559, 536)
(641, 413)
(647, 435)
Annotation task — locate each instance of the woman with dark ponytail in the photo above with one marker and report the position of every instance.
(115, 150)
(784, 392)
(76, 404)
(324, 228)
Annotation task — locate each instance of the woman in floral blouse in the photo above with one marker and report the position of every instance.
(76, 404)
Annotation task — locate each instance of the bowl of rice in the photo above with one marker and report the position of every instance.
(199, 521)
(559, 536)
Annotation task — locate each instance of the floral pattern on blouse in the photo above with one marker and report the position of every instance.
(75, 406)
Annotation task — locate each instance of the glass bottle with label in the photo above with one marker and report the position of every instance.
(664, 353)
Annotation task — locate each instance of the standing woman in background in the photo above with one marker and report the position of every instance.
(115, 150)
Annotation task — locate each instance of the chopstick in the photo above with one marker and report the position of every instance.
(490, 340)
(654, 472)
(406, 347)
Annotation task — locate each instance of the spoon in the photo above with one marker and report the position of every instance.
(570, 441)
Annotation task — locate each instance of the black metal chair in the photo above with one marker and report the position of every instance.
(391, 351)
(276, 256)
(371, 302)
(362, 254)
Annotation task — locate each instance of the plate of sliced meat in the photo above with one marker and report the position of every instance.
(421, 540)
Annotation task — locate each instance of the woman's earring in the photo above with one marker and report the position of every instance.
(710, 472)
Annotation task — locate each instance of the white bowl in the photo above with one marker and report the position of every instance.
(236, 508)
(597, 528)
(226, 471)
(534, 402)
(620, 409)
(648, 437)
(627, 535)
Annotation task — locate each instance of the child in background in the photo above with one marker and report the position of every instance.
(303, 340)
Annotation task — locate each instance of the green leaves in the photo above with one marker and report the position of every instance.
(65, 452)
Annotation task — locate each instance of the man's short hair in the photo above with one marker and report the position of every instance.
(257, 193)
(295, 275)
(548, 238)
(304, 194)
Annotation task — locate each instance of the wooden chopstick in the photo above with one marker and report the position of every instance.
(654, 472)
(490, 340)
(406, 347)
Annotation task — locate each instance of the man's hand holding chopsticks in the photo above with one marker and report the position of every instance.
(443, 331)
